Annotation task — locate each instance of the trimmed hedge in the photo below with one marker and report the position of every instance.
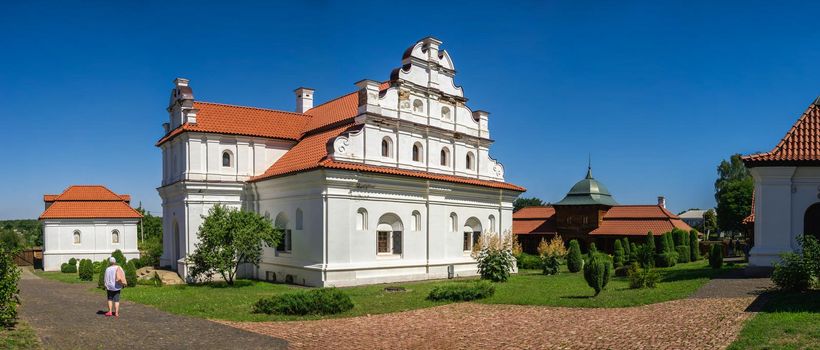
(117, 254)
(666, 259)
(694, 245)
(137, 263)
(716, 256)
(86, 270)
(642, 278)
(101, 275)
(597, 271)
(683, 253)
(619, 255)
(68, 268)
(130, 274)
(324, 301)
(792, 273)
(575, 262)
(72, 261)
(528, 261)
(462, 291)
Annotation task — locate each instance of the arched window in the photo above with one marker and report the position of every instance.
(811, 221)
(472, 233)
(445, 113)
(417, 152)
(470, 161)
(361, 219)
(281, 223)
(453, 222)
(418, 106)
(115, 237)
(416, 223)
(226, 158)
(389, 235)
(387, 147)
(445, 156)
(299, 219)
(492, 224)
(77, 237)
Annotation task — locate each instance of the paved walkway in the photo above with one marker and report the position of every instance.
(65, 316)
(710, 319)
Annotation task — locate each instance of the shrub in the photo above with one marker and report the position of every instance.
(550, 265)
(575, 262)
(98, 266)
(462, 291)
(68, 268)
(528, 261)
(683, 253)
(627, 250)
(130, 274)
(681, 237)
(597, 272)
(650, 241)
(694, 246)
(645, 255)
(86, 270)
(9, 276)
(642, 278)
(666, 259)
(622, 271)
(810, 249)
(592, 248)
(117, 254)
(72, 261)
(550, 255)
(137, 263)
(494, 257)
(633, 252)
(324, 301)
(792, 273)
(101, 275)
(716, 256)
(619, 256)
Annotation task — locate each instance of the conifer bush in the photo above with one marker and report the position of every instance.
(592, 248)
(117, 254)
(68, 268)
(716, 256)
(597, 271)
(633, 252)
(101, 274)
(323, 301)
(683, 253)
(645, 255)
(627, 251)
(86, 270)
(642, 278)
(462, 291)
(527, 261)
(130, 274)
(694, 246)
(650, 241)
(619, 255)
(575, 262)
(72, 261)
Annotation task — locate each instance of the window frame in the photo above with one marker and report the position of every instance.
(115, 233)
(229, 155)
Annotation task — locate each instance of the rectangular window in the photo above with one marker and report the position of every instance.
(476, 237)
(285, 243)
(467, 241)
(384, 242)
(396, 242)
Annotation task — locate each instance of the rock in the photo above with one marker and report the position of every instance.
(167, 277)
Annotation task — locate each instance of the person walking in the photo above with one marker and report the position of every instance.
(114, 282)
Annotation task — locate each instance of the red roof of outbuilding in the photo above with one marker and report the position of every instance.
(88, 202)
(534, 220)
(800, 146)
(620, 220)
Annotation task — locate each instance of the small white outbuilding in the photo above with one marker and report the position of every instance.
(87, 222)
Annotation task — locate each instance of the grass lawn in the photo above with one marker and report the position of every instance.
(62, 277)
(787, 321)
(21, 337)
(525, 288)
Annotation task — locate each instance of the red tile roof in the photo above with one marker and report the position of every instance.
(620, 220)
(800, 146)
(88, 202)
(534, 220)
(246, 121)
(751, 218)
(637, 220)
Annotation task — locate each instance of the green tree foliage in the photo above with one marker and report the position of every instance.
(665, 245)
(716, 256)
(86, 270)
(30, 231)
(650, 241)
(519, 203)
(710, 224)
(645, 255)
(592, 248)
(619, 256)
(322, 301)
(494, 258)
(627, 249)
(130, 274)
(597, 271)
(101, 276)
(9, 276)
(150, 238)
(733, 193)
(10, 239)
(633, 252)
(228, 238)
(120, 257)
(683, 253)
(694, 246)
(681, 237)
(575, 261)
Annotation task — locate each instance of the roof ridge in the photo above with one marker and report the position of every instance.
(793, 129)
(251, 107)
(329, 101)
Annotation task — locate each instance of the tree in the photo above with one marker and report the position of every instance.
(10, 239)
(650, 241)
(574, 259)
(716, 256)
(694, 246)
(9, 276)
(597, 272)
(228, 238)
(120, 257)
(519, 203)
(733, 193)
(149, 234)
(620, 254)
(710, 224)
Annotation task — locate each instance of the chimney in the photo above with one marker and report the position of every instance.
(304, 99)
(662, 202)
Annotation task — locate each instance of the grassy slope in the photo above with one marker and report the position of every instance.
(787, 321)
(21, 337)
(526, 288)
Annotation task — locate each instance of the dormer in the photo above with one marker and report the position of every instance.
(181, 105)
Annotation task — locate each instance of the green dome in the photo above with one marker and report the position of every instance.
(588, 192)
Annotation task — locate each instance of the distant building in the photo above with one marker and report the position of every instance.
(787, 190)
(589, 214)
(87, 222)
(693, 217)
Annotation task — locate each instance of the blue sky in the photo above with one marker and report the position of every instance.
(657, 92)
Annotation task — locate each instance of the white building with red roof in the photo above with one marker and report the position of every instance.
(87, 222)
(787, 190)
(391, 182)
